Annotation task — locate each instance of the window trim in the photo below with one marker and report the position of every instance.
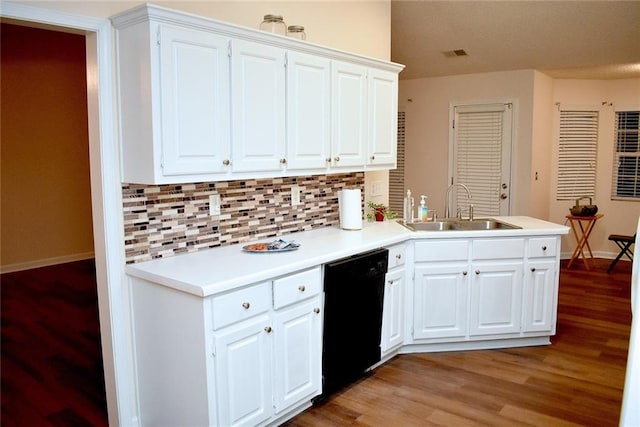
(617, 154)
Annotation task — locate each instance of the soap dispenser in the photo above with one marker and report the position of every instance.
(423, 212)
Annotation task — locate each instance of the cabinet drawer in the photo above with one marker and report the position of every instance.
(241, 304)
(442, 250)
(397, 254)
(296, 287)
(542, 246)
(497, 248)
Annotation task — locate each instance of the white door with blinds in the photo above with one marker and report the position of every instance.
(481, 157)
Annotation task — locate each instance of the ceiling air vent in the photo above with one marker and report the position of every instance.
(454, 53)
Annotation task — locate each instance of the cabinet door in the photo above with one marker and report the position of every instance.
(308, 111)
(496, 298)
(194, 86)
(258, 106)
(348, 115)
(383, 117)
(298, 354)
(440, 301)
(539, 296)
(393, 311)
(243, 373)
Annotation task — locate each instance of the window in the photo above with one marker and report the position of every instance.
(626, 159)
(577, 154)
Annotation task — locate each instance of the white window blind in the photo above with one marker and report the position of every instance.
(479, 139)
(577, 154)
(396, 176)
(626, 159)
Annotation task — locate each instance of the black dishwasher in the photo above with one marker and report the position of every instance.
(354, 294)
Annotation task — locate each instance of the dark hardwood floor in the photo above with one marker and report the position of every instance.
(52, 367)
(578, 380)
(52, 371)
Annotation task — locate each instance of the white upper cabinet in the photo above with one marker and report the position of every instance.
(258, 106)
(193, 84)
(383, 103)
(308, 111)
(349, 115)
(203, 100)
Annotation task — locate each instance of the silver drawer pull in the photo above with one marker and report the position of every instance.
(246, 305)
(301, 288)
(464, 273)
(268, 329)
(399, 256)
(533, 269)
(337, 158)
(477, 271)
(283, 161)
(226, 162)
(391, 282)
(544, 248)
(316, 310)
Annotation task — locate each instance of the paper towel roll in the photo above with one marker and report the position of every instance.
(350, 209)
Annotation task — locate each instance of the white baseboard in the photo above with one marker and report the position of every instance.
(596, 254)
(45, 262)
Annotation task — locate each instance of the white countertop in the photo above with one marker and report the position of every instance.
(215, 270)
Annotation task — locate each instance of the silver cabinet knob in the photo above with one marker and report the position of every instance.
(328, 160)
(302, 288)
(477, 271)
(283, 161)
(464, 273)
(373, 157)
(226, 162)
(533, 269)
(399, 256)
(316, 310)
(246, 305)
(544, 248)
(268, 329)
(337, 158)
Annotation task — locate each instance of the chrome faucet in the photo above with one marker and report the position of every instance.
(446, 207)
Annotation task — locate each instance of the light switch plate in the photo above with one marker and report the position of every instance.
(376, 188)
(214, 204)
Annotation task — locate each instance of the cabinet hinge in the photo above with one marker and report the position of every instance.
(158, 37)
(229, 48)
(453, 124)
(286, 60)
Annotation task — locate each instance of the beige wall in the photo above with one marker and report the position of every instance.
(620, 217)
(46, 193)
(427, 129)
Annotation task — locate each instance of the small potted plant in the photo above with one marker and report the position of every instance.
(378, 212)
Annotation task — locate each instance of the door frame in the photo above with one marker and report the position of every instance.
(106, 200)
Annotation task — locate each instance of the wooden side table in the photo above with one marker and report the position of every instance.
(582, 226)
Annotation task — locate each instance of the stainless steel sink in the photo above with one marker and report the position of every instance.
(460, 225)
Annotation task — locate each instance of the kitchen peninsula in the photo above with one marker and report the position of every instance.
(226, 337)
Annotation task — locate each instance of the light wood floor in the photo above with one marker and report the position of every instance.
(578, 380)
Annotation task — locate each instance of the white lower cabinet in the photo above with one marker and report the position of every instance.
(272, 362)
(247, 357)
(243, 361)
(440, 301)
(298, 354)
(484, 289)
(393, 309)
(495, 298)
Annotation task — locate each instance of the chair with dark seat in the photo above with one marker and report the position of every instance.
(624, 243)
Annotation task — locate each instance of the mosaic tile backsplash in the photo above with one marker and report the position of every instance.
(165, 220)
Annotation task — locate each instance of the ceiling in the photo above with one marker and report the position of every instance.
(565, 39)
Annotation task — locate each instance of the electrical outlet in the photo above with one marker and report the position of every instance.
(295, 195)
(214, 204)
